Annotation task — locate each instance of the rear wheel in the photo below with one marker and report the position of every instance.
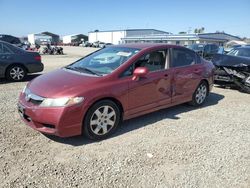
(101, 120)
(16, 73)
(200, 94)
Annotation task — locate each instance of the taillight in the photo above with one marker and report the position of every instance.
(38, 58)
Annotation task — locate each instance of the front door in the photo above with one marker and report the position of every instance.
(154, 90)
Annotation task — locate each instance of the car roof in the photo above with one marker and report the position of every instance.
(146, 45)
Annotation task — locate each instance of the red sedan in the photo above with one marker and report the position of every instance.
(94, 94)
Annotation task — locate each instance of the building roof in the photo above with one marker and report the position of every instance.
(221, 34)
(165, 37)
(50, 34)
(146, 45)
(222, 37)
(130, 30)
(75, 35)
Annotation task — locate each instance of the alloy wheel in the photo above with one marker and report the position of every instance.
(201, 94)
(103, 120)
(17, 73)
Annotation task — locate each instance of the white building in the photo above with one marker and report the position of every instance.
(39, 38)
(157, 36)
(68, 39)
(116, 36)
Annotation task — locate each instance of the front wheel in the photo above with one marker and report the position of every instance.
(101, 120)
(200, 94)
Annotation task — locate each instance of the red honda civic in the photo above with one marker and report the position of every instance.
(94, 94)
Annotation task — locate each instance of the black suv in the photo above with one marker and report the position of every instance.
(205, 50)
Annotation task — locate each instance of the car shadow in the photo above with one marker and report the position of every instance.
(142, 121)
(27, 79)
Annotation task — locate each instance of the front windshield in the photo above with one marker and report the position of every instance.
(104, 61)
(240, 52)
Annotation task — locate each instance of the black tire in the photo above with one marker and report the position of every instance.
(16, 73)
(94, 125)
(200, 94)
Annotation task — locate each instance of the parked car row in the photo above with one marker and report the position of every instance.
(96, 44)
(52, 50)
(205, 50)
(233, 68)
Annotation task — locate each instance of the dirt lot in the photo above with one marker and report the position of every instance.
(177, 147)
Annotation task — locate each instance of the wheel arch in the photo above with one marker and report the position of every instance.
(207, 84)
(113, 99)
(14, 64)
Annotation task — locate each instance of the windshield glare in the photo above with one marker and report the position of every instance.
(105, 61)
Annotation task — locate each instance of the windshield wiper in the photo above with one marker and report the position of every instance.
(83, 69)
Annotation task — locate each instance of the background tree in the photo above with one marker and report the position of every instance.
(199, 30)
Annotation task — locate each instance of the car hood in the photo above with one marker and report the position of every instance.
(62, 83)
(229, 60)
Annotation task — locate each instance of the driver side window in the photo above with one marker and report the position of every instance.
(154, 61)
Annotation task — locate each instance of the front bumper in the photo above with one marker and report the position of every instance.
(220, 75)
(59, 121)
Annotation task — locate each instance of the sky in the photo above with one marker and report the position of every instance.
(22, 17)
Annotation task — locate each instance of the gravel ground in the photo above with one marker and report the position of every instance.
(177, 147)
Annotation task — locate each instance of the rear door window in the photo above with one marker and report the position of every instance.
(182, 57)
(4, 49)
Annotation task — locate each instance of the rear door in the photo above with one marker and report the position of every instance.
(188, 71)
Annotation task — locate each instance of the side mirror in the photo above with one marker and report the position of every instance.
(140, 72)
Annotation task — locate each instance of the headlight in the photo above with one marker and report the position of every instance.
(24, 89)
(59, 102)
